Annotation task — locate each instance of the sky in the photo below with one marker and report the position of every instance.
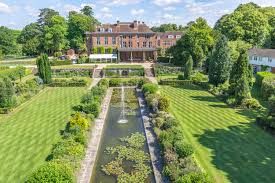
(18, 13)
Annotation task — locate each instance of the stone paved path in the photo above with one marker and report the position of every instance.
(88, 163)
(154, 148)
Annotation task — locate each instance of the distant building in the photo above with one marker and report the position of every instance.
(130, 41)
(262, 59)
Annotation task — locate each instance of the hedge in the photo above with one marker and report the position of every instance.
(72, 72)
(60, 62)
(268, 87)
(117, 82)
(163, 59)
(176, 82)
(260, 77)
(73, 82)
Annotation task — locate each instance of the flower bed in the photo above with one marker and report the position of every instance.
(162, 70)
(117, 82)
(73, 72)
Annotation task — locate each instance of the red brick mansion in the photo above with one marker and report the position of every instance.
(128, 41)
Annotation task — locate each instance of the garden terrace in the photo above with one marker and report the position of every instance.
(27, 134)
(116, 71)
(229, 145)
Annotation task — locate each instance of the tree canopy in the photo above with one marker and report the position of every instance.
(168, 27)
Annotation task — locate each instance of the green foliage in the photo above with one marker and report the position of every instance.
(260, 77)
(110, 50)
(116, 82)
(220, 62)
(236, 47)
(168, 27)
(14, 73)
(101, 50)
(251, 103)
(150, 88)
(30, 39)
(57, 62)
(8, 43)
(180, 77)
(44, 68)
(194, 178)
(241, 78)
(7, 93)
(69, 82)
(198, 77)
(197, 41)
(183, 149)
(67, 73)
(188, 69)
(271, 106)
(162, 70)
(246, 23)
(268, 86)
(94, 50)
(52, 172)
(79, 120)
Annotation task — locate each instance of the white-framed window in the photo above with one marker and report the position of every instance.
(114, 40)
(178, 36)
(98, 40)
(138, 44)
(147, 36)
(255, 58)
(124, 44)
(260, 58)
(269, 59)
(250, 57)
(158, 42)
(124, 36)
(171, 36)
(130, 36)
(150, 44)
(110, 30)
(144, 44)
(106, 40)
(158, 37)
(130, 44)
(101, 29)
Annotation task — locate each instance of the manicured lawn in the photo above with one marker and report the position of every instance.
(229, 146)
(27, 134)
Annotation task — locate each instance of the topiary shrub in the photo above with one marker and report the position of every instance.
(150, 88)
(52, 172)
(183, 149)
(180, 77)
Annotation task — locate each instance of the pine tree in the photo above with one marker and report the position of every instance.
(188, 68)
(220, 64)
(240, 78)
(44, 68)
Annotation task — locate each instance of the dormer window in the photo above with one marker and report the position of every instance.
(171, 36)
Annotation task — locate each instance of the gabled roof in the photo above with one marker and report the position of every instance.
(262, 52)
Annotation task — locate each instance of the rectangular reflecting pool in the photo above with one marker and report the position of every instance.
(114, 131)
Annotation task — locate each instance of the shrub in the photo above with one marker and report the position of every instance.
(56, 62)
(198, 77)
(70, 82)
(180, 77)
(163, 103)
(183, 149)
(271, 103)
(268, 87)
(161, 70)
(52, 172)
(79, 120)
(163, 59)
(260, 77)
(13, 73)
(92, 108)
(251, 103)
(149, 88)
(57, 54)
(194, 177)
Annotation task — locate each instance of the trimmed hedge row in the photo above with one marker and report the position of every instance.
(260, 77)
(117, 82)
(72, 82)
(56, 62)
(180, 166)
(74, 72)
(116, 73)
(65, 158)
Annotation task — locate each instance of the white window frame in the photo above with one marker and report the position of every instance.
(170, 36)
(178, 36)
(269, 59)
(98, 40)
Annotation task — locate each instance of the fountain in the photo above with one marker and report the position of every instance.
(122, 118)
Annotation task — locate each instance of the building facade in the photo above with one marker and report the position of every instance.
(262, 59)
(128, 41)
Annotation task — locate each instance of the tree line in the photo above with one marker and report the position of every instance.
(51, 33)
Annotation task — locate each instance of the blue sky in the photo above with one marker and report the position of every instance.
(18, 13)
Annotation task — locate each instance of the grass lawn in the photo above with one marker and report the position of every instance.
(28, 133)
(229, 145)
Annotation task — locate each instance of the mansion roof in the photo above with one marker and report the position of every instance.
(262, 52)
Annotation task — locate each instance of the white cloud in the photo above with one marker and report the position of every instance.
(71, 7)
(4, 8)
(105, 9)
(119, 2)
(105, 12)
(169, 8)
(31, 11)
(166, 2)
(137, 12)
